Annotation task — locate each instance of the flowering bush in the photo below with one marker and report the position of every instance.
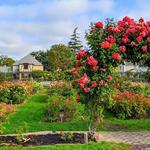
(129, 105)
(5, 109)
(110, 45)
(16, 92)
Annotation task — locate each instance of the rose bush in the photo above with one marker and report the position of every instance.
(17, 92)
(110, 44)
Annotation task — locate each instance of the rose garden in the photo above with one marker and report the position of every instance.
(87, 98)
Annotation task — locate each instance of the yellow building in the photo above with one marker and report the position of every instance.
(23, 68)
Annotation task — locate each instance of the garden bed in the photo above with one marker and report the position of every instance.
(33, 139)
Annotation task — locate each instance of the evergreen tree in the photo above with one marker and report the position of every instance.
(75, 43)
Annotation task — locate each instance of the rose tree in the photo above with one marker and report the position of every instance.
(110, 45)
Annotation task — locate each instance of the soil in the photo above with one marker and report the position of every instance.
(42, 139)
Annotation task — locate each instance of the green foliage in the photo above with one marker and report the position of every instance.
(60, 58)
(5, 60)
(5, 76)
(75, 43)
(62, 100)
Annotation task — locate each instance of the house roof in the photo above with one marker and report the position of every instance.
(28, 59)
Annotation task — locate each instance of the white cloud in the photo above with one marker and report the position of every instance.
(34, 26)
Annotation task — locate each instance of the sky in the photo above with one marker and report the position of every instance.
(31, 25)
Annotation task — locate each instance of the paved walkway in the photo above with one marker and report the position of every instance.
(125, 137)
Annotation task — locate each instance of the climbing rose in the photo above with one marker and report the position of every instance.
(109, 78)
(81, 53)
(111, 39)
(92, 62)
(116, 56)
(139, 38)
(94, 85)
(84, 79)
(144, 48)
(99, 25)
(125, 40)
(123, 49)
(78, 63)
(106, 45)
(75, 71)
(86, 90)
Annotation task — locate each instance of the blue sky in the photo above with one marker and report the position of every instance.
(29, 25)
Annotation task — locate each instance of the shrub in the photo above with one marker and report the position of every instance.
(130, 105)
(17, 92)
(62, 100)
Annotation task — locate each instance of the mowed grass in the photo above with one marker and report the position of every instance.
(31, 115)
(89, 146)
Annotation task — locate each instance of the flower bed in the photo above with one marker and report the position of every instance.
(16, 92)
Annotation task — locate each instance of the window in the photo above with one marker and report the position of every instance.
(25, 66)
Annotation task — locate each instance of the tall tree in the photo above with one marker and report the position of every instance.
(60, 57)
(42, 56)
(75, 43)
(5, 60)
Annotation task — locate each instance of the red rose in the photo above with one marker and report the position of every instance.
(83, 80)
(86, 90)
(75, 71)
(92, 62)
(141, 20)
(144, 48)
(116, 56)
(111, 39)
(125, 40)
(115, 85)
(139, 38)
(148, 40)
(109, 78)
(99, 25)
(78, 63)
(94, 85)
(123, 49)
(81, 53)
(106, 45)
(78, 99)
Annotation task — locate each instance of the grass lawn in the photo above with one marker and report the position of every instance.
(89, 146)
(31, 114)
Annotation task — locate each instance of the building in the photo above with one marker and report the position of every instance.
(23, 68)
(129, 67)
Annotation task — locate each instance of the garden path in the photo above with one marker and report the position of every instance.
(137, 140)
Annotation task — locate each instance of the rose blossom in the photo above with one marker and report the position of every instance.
(78, 99)
(133, 44)
(92, 62)
(94, 85)
(125, 40)
(111, 39)
(99, 25)
(106, 45)
(86, 90)
(139, 38)
(109, 78)
(75, 71)
(81, 53)
(116, 56)
(144, 48)
(123, 49)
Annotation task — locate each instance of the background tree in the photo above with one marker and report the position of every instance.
(42, 56)
(60, 57)
(5, 60)
(75, 43)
